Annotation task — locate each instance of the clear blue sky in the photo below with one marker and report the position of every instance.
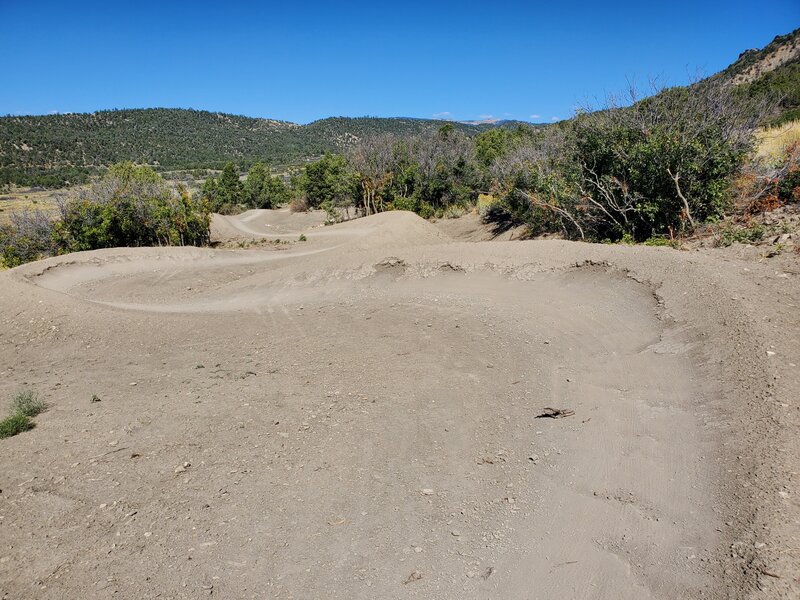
(301, 61)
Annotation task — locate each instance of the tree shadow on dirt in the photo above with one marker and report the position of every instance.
(499, 220)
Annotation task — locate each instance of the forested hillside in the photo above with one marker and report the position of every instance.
(55, 150)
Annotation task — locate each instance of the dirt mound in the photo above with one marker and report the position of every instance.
(354, 416)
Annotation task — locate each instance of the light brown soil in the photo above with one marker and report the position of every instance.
(355, 417)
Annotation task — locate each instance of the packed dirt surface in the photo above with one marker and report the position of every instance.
(262, 224)
(363, 415)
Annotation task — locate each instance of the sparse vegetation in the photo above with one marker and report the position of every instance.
(748, 234)
(15, 424)
(28, 403)
(24, 406)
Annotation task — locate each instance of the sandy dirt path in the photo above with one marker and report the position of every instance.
(355, 417)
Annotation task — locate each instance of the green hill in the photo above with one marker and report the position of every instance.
(55, 150)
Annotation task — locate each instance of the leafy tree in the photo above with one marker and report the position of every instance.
(226, 191)
(329, 180)
(262, 190)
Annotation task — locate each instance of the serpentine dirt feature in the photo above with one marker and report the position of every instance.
(357, 416)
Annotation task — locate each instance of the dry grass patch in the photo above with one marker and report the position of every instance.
(772, 143)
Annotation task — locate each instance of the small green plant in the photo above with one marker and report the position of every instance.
(750, 234)
(426, 211)
(24, 405)
(28, 404)
(662, 241)
(16, 423)
(302, 238)
(95, 398)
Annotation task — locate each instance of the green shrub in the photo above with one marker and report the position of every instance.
(404, 203)
(28, 404)
(16, 423)
(132, 206)
(29, 236)
(661, 242)
(426, 211)
(485, 204)
(731, 234)
(333, 213)
(262, 190)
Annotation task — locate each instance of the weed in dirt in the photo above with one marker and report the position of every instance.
(95, 398)
(28, 404)
(302, 238)
(750, 234)
(663, 241)
(16, 423)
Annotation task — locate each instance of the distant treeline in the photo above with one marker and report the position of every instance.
(61, 150)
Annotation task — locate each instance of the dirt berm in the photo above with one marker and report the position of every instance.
(355, 416)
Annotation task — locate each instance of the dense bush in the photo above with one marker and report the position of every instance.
(787, 176)
(662, 165)
(655, 168)
(29, 236)
(129, 206)
(658, 167)
(132, 206)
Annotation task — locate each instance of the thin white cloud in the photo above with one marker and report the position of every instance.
(535, 117)
(555, 118)
(442, 115)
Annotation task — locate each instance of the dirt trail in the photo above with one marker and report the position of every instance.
(355, 417)
(264, 224)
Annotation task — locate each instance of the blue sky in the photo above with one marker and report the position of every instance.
(304, 61)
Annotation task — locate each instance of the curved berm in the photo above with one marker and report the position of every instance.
(383, 412)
